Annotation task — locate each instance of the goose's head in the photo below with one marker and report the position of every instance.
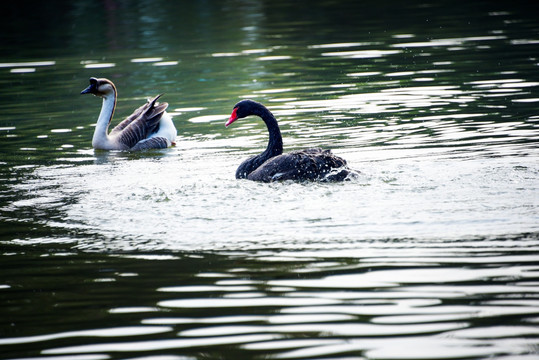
(100, 87)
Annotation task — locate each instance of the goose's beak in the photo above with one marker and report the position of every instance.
(88, 90)
(92, 88)
(233, 117)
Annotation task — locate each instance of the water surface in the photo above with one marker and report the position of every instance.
(431, 253)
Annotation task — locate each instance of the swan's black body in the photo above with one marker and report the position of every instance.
(272, 165)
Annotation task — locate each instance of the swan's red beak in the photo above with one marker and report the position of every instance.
(233, 117)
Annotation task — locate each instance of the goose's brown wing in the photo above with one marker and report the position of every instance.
(157, 142)
(142, 123)
(118, 128)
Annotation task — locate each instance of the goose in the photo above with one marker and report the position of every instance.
(272, 165)
(149, 127)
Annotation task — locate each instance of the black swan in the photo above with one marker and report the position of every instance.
(272, 165)
(149, 127)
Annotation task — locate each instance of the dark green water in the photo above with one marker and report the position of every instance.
(431, 253)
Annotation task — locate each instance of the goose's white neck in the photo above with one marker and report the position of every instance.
(101, 139)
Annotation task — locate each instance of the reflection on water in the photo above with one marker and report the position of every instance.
(379, 299)
(430, 253)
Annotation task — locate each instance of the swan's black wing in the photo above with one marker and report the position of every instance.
(304, 165)
(249, 165)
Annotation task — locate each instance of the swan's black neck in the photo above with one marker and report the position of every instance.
(275, 142)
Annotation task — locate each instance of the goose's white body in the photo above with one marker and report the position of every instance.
(150, 126)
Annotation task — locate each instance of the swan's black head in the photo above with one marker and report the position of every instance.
(243, 109)
(99, 87)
